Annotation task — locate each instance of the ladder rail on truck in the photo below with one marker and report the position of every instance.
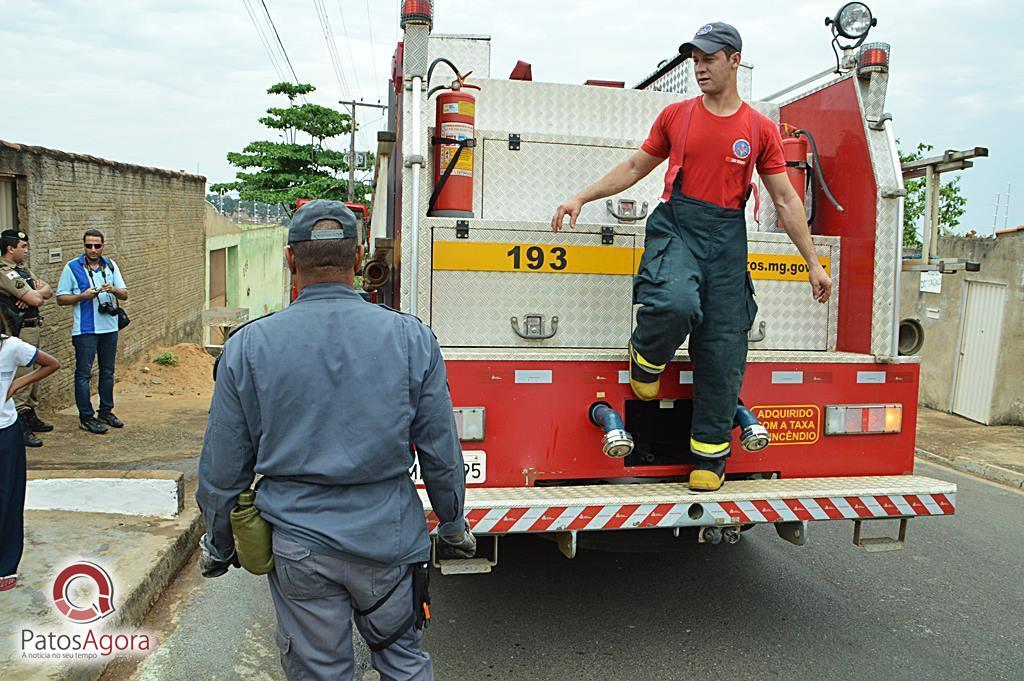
(533, 324)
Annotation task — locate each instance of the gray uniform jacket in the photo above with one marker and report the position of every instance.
(325, 399)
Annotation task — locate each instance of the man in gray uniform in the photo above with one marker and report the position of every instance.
(325, 399)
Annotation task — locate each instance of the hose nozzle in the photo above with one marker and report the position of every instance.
(753, 436)
(617, 442)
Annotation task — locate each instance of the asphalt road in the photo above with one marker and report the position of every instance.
(949, 606)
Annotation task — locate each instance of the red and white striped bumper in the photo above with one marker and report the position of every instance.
(662, 505)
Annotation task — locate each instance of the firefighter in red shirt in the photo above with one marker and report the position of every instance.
(693, 279)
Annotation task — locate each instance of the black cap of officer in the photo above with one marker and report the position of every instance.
(14, 234)
(312, 212)
(711, 38)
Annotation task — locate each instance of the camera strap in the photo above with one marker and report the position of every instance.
(103, 273)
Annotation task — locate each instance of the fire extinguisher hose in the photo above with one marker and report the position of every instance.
(817, 169)
(463, 144)
(430, 72)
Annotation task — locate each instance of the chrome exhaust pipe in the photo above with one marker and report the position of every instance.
(617, 442)
(753, 436)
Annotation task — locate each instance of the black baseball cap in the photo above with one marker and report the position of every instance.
(14, 234)
(312, 212)
(710, 38)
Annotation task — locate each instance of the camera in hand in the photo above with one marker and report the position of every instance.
(108, 308)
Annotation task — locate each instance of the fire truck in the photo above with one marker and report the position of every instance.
(362, 216)
(533, 324)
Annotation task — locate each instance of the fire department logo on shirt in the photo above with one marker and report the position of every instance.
(741, 148)
(704, 30)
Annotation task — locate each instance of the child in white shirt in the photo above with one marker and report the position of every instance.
(15, 353)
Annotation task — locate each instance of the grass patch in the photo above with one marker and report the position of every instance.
(166, 359)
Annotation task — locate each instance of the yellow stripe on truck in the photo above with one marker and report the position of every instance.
(487, 256)
(492, 256)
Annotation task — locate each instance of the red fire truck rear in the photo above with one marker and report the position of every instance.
(533, 324)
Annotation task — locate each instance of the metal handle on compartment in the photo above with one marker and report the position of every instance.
(624, 214)
(761, 334)
(534, 327)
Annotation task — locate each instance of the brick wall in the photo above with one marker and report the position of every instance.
(153, 223)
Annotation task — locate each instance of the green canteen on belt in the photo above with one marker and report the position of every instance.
(252, 533)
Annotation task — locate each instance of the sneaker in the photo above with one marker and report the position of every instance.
(34, 423)
(644, 377)
(111, 420)
(92, 425)
(708, 476)
(8, 582)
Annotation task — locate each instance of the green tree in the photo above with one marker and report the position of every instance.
(952, 204)
(283, 172)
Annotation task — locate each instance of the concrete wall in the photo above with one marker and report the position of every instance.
(153, 223)
(1002, 262)
(263, 277)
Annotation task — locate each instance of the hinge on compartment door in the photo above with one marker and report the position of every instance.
(462, 229)
(513, 141)
(607, 235)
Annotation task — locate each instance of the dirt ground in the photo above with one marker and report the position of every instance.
(164, 409)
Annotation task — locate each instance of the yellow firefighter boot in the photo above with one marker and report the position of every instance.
(708, 476)
(644, 377)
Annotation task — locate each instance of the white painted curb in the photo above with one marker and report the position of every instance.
(160, 497)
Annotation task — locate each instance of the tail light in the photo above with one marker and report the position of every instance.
(469, 422)
(863, 419)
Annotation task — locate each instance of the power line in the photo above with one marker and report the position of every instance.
(332, 50)
(348, 44)
(373, 47)
(264, 41)
(279, 42)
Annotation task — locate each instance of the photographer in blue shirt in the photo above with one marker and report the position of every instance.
(93, 284)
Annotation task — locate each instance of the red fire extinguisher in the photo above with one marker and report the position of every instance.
(795, 151)
(795, 145)
(453, 145)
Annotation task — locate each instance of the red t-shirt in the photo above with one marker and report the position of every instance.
(717, 151)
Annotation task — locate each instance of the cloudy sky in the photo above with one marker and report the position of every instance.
(178, 84)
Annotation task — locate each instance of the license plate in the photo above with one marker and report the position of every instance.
(476, 468)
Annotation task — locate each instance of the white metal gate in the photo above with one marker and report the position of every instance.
(978, 352)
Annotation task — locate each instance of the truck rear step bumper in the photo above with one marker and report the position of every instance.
(514, 510)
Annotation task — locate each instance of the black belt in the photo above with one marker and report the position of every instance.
(35, 321)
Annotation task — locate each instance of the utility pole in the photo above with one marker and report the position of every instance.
(352, 105)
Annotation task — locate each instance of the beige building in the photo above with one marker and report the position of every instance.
(973, 329)
(153, 221)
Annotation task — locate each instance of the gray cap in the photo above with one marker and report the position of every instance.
(312, 212)
(710, 38)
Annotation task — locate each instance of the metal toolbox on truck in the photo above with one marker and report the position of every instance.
(512, 284)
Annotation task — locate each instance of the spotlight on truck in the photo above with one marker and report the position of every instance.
(852, 21)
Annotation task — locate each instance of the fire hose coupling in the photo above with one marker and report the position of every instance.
(377, 271)
(753, 436)
(617, 442)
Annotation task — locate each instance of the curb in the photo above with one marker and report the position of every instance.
(138, 602)
(990, 472)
